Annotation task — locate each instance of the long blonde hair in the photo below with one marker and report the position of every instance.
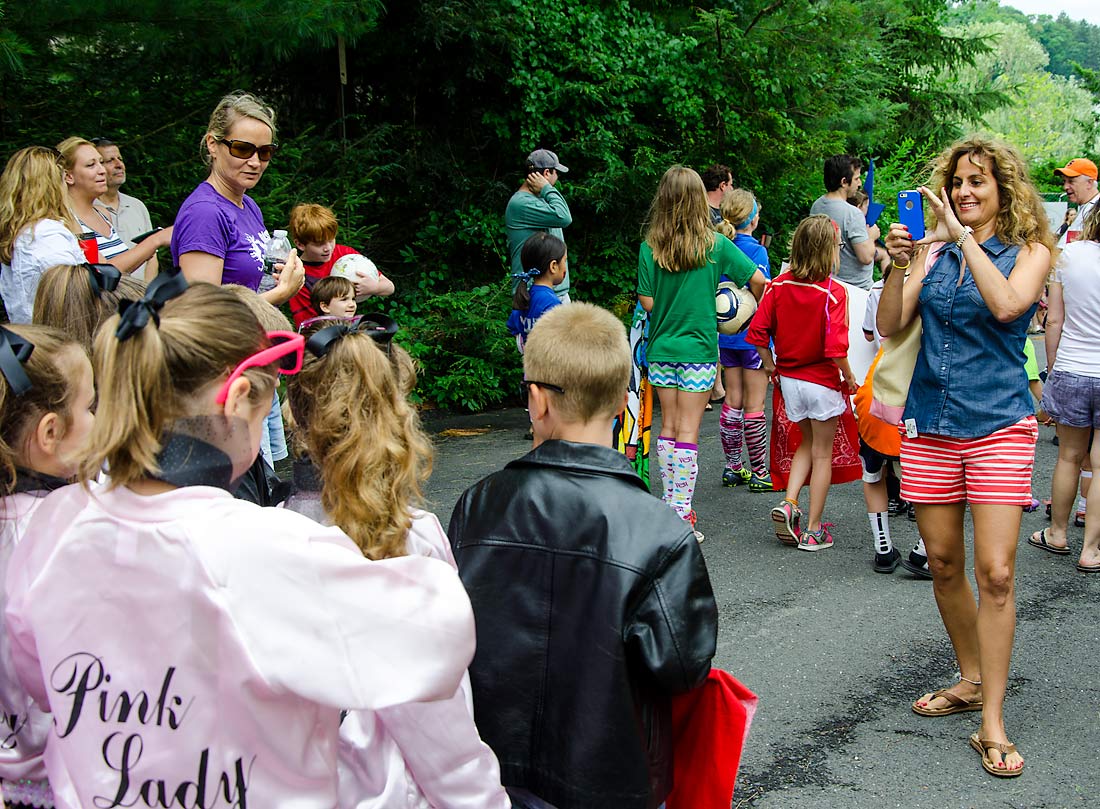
(1021, 218)
(354, 418)
(31, 189)
(678, 226)
(150, 379)
(53, 386)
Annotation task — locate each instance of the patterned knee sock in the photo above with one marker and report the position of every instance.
(664, 462)
(920, 549)
(685, 471)
(756, 436)
(731, 427)
(880, 528)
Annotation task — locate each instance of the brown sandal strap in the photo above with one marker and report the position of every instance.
(954, 699)
(1001, 747)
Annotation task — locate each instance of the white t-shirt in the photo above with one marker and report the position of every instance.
(36, 249)
(870, 316)
(1078, 271)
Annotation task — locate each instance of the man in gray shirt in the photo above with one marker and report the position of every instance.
(857, 250)
(129, 214)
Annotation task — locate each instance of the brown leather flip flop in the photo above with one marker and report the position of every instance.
(956, 704)
(983, 746)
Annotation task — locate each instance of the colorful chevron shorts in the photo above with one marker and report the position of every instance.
(693, 377)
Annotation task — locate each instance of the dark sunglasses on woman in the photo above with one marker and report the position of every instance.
(243, 150)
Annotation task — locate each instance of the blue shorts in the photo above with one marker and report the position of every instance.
(1072, 400)
(692, 377)
(747, 358)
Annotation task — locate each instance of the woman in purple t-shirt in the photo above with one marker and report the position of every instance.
(219, 235)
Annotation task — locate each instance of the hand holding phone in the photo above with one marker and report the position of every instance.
(143, 236)
(911, 213)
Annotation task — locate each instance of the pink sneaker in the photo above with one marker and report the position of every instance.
(786, 517)
(817, 540)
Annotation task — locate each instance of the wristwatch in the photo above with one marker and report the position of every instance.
(967, 230)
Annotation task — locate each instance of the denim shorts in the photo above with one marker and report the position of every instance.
(1072, 400)
(693, 377)
(739, 358)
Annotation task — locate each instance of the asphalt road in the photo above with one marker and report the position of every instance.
(836, 652)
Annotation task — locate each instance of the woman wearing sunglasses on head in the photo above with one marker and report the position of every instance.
(256, 626)
(220, 236)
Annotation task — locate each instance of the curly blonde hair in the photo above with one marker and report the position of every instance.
(1021, 218)
(31, 189)
(678, 226)
(351, 413)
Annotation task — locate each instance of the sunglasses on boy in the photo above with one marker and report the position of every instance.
(379, 328)
(243, 150)
(287, 349)
(527, 383)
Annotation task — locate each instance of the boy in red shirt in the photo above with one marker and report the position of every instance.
(313, 230)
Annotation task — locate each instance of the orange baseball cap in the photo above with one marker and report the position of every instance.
(1077, 167)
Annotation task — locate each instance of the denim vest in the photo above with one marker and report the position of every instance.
(969, 380)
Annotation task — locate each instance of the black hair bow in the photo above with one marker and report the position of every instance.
(105, 277)
(135, 315)
(380, 328)
(14, 351)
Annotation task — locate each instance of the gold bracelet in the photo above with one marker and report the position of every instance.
(897, 266)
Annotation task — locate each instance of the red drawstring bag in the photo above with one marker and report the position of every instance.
(709, 727)
(786, 437)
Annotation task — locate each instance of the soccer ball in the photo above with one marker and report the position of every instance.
(355, 266)
(735, 306)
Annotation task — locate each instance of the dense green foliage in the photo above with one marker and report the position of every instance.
(421, 148)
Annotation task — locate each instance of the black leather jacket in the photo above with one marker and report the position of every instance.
(593, 606)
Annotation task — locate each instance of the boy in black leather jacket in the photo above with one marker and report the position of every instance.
(591, 597)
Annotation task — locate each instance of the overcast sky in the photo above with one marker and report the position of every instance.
(1076, 9)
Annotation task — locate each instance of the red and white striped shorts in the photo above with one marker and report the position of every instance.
(995, 469)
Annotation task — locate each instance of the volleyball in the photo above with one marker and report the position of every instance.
(734, 306)
(354, 267)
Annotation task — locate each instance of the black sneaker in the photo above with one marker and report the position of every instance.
(886, 562)
(897, 506)
(911, 512)
(917, 565)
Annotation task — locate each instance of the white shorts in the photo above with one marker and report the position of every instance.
(808, 400)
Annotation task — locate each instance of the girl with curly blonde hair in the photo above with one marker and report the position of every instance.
(973, 281)
(352, 415)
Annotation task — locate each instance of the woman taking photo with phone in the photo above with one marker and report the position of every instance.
(220, 236)
(973, 281)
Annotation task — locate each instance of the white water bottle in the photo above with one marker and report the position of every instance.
(277, 251)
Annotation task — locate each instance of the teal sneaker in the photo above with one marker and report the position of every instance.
(736, 477)
(761, 483)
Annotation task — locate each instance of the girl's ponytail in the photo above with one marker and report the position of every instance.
(158, 372)
(536, 255)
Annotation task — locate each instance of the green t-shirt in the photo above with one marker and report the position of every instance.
(683, 326)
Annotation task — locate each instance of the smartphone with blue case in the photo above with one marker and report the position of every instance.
(911, 213)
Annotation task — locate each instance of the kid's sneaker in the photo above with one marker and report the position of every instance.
(736, 477)
(817, 540)
(761, 483)
(786, 517)
(917, 565)
(886, 562)
(691, 518)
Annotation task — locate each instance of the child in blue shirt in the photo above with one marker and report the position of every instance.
(545, 264)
